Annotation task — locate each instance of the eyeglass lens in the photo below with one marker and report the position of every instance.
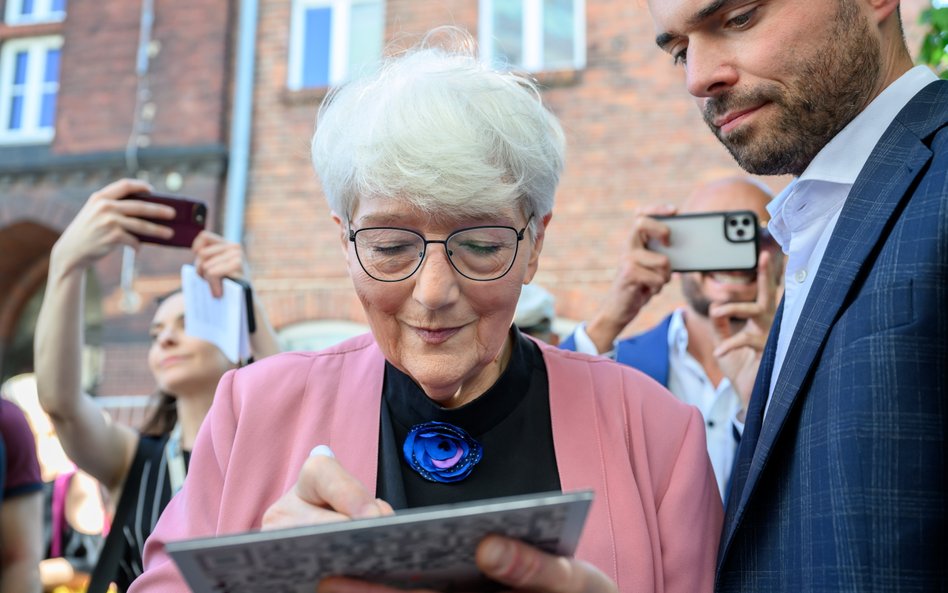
(394, 254)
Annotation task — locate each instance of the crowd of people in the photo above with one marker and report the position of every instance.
(782, 430)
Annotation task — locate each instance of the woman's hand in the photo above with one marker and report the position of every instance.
(106, 221)
(512, 563)
(216, 258)
(324, 492)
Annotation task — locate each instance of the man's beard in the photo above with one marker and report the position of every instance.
(691, 290)
(831, 88)
(701, 304)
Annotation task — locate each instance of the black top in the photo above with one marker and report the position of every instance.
(511, 421)
(149, 482)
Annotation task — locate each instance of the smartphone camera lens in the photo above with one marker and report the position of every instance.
(741, 233)
(732, 222)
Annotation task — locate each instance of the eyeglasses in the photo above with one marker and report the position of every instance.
(480, 253)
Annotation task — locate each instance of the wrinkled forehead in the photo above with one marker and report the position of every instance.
(400, 212)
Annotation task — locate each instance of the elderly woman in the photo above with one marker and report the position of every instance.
(441, 174)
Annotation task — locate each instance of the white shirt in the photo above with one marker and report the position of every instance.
(804, 215)
(687, 380)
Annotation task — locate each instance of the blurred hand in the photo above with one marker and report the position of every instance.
(216, 258)
(324, 492)
(106, 221)
(512, 563)
(739, 353)
(640, 276)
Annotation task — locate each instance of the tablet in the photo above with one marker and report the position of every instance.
(430, 548)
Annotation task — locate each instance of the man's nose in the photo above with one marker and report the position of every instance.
(709, 70)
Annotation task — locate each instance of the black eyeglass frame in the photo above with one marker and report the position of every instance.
(424, 249)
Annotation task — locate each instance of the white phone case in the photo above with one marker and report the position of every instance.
(710, 241)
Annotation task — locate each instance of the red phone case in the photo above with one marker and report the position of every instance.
(189, 220)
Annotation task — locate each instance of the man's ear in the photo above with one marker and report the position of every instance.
(883, 9)
(537, 248)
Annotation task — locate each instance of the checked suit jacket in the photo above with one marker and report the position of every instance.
(843, 486)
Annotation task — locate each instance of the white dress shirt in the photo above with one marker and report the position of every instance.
(687, 380)
(804, 215)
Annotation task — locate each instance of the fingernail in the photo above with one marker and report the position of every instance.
(370, 511)
(323, 450)
(495, 555)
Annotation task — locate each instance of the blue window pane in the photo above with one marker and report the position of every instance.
(508, 33)
(52, 66)
(19, 67)
(16, 113)
(316, 45)
(557, 33)
(59, 6)
(367, 21)
(48, 110)
(26, 8)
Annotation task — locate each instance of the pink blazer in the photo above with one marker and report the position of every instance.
(654, 523)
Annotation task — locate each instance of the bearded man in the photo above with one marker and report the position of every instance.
(840, 482)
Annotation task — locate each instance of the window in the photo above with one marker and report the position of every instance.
(25, 12)
(534, 35)
(29, 85)
(333, 39)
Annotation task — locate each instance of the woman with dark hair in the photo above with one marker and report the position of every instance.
(150, 465)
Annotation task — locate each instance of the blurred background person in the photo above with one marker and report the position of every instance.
(21, 510)
(149, 466)
(536, 311)
(706, 352)
(74, 511)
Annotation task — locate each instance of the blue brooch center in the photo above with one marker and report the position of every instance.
(441, 452)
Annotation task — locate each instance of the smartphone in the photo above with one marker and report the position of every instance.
(710, 241)
(190, 216)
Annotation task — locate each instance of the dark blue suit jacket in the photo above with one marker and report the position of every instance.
(647, 352)
(844, 487)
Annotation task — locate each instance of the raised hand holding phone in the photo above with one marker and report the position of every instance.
(641, 274)
(107, 221)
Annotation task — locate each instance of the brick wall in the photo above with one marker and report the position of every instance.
(187, 75)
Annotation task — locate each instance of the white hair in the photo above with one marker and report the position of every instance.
(442, 131)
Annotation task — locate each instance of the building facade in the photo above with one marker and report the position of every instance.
(93, 91)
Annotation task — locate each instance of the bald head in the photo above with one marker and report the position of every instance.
(733, 193)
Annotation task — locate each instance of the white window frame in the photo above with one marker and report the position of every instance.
(42, 13)
(532, 34)
(340, 29)
(36, 47)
